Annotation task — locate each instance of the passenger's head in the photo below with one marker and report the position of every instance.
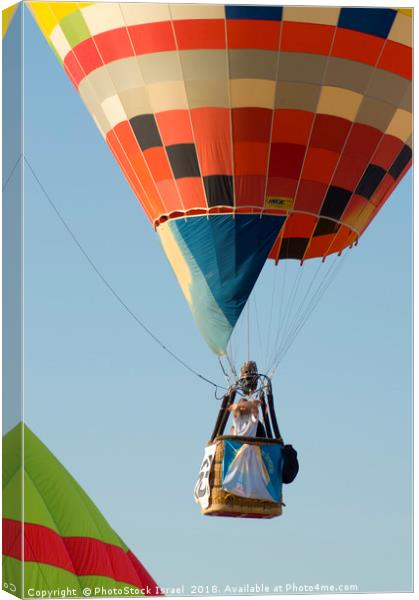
(249, 376)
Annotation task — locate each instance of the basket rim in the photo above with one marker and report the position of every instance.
(245, 439)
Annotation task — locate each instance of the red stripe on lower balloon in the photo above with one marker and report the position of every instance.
(144, 575)
(79, 555)
(41, 544)
(12, 538)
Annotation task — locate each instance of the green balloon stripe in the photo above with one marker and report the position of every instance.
(46, 581)
(65, 535)
(53, 498)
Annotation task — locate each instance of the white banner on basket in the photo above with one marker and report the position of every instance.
(202, 489)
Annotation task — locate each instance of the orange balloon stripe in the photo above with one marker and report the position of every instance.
(358, 46)
(210, 33)
(292, 126)
(356, 155)
(193, 193)
(397, 59)
(174, 127)
(264, 35)
(306, 37)
(343, 238)
(130, 174)
(205, 33)
(250, 190)
(387, 151)
(152, 37)
(211, 127)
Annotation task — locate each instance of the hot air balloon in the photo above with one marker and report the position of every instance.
(64, 542)
(247, 133)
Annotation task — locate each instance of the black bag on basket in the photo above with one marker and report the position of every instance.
(290, 464)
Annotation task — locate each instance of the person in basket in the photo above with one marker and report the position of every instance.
(245, 417)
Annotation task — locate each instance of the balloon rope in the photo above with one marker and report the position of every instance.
(258, 329)
(288, 316)
(11, 173)
(287, 338)
(231, 362)
(248, 329)
(278, 328)
(308, 310)
(222, 368)
(282, 340)
(230, 356)
(110, 288)
(319, 293)
(269, 335)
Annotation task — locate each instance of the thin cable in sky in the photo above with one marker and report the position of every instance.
(11, 173)
(110, 288)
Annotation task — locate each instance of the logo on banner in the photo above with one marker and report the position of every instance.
(202, 489)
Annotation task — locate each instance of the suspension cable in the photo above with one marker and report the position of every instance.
(223, 369)
(108, 285)
(248, 328)
(288, 316)
(258, 329)
(269, 334)
(308, 310)
(281, 312)
(281, 338)
(319, 293)
(5, 184)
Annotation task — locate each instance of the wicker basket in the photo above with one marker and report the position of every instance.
(225, 504)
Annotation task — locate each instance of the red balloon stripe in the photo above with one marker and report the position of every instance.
(79, 555)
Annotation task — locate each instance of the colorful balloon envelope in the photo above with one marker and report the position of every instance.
(246, 132)
(63, 541)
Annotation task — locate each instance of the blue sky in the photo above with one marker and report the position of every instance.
(131, 424)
